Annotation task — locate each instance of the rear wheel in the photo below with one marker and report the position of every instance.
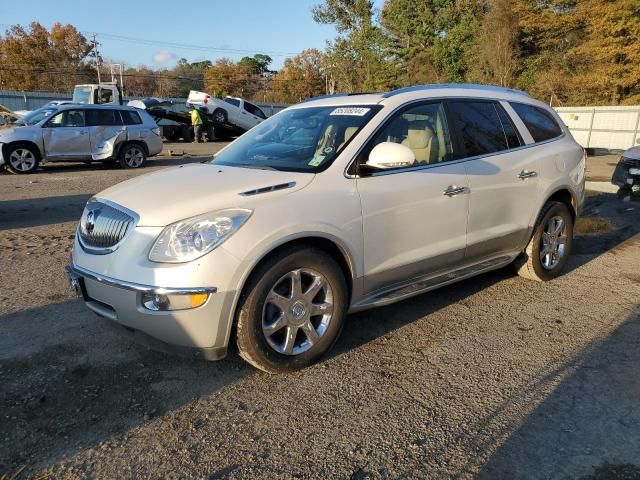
(549, 247)
(132, 156)
(22, 159)
(220, 116)
(292, 310)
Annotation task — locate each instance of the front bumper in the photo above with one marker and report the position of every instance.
(627, 173)
(201, 331)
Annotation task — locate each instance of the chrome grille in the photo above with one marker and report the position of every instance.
(103, 226)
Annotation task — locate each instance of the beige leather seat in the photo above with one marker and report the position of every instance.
(420, 139)
(348, 133)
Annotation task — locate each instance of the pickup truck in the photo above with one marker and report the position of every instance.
(231, 110)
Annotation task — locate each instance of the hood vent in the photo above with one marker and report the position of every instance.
(271, 188)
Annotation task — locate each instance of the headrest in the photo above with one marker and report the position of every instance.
(349, 132)
(419, 136)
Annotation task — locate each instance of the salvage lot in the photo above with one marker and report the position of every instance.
(495, 377)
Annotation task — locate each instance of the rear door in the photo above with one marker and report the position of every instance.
(106, 130)
(502, 177)
(66, 136)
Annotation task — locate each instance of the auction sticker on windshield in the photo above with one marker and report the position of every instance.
(353, 111)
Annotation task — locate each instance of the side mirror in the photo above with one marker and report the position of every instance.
(387, 155)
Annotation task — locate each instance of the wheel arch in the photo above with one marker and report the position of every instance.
(17, 143)
(324, 242)
(125, 143)
(566, 196)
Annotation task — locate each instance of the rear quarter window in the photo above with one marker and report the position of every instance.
(131, 118)
(540, 123)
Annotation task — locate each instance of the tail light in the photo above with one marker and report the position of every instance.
(206, 99)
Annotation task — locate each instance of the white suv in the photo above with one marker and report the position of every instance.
(334, 205)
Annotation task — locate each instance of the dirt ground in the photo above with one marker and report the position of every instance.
(495, 377)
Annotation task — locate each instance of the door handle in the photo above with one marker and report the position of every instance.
(453, 190)
(524, 174)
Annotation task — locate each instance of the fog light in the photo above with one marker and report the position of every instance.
(164, 303)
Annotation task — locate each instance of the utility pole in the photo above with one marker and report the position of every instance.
(95, 52)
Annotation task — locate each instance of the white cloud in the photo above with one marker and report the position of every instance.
(162, 57)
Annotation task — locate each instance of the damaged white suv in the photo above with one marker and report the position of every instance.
(334, 205)
(84, 133)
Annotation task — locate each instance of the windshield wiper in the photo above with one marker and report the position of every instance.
(254, 166)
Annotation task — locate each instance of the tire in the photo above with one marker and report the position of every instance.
(211, 134)
(22, 159)
(220, 116)
(187, 133)
(132, 155)
(554, 225)
(173, 135)
(268, 301)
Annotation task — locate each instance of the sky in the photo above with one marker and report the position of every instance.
(159, 32)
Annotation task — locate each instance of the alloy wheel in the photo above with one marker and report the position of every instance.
(297, 311)
(134, 157)
(22, 160)
(554, 241)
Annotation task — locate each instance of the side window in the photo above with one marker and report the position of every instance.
(106, 95)
(540, 123)
(479, 127)
(131, 118)
(511, 132)
(260, 113)
(423, 129)
(233, 101)
(103, 117)
(67, 118)
(249, 107)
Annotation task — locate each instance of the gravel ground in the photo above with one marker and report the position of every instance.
(494, 377)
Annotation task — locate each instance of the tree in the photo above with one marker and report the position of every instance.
(36, 59)
(496, 51)
(257, 65)
(355, 59)
(300, 77)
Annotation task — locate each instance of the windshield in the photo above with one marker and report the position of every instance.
(36, 116)
(82, 95)
(301, 139)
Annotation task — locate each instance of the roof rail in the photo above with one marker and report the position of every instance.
(343, 94)
(320, 97)
(438, 86)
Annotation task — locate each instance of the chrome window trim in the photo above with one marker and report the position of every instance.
(108, 250)
(76, 271)
(448, 162)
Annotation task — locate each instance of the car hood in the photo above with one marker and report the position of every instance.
(173, 194)
(633, 152)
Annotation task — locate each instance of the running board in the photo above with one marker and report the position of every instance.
(426, 284)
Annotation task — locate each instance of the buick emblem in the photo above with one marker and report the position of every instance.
(90, 222)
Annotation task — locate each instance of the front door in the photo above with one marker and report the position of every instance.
(503, 178)
(414, 218)
(66, 137)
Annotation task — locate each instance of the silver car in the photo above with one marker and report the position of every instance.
(80, 133)
(331, 206)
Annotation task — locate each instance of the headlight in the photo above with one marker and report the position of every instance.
(194, 237)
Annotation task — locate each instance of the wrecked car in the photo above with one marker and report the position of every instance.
(627, 172)
(80, 133)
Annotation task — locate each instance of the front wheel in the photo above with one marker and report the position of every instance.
(549, 247)
(22, 159)
(132, 156)
(291, 311)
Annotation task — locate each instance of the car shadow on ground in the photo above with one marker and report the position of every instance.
(33, 212)
(70, 382)
(589, 423)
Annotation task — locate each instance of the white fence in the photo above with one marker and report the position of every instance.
(608, 128)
